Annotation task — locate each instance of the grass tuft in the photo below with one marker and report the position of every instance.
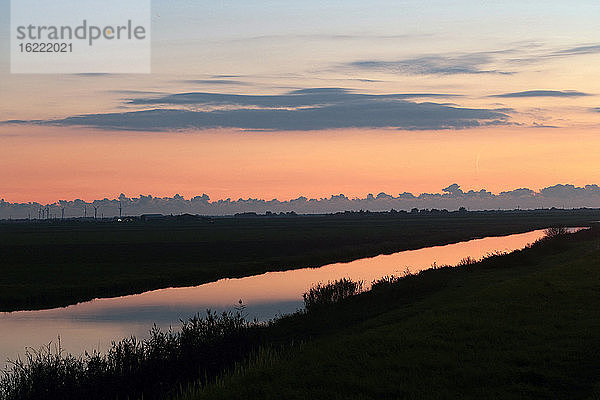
(331, 293)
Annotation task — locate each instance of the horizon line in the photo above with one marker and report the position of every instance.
(449, 191)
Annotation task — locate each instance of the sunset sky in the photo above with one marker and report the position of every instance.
(281, 99)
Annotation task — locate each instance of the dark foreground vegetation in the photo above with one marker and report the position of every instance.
(52, 263)
(132, 368)
(522, 325)
(519, 326)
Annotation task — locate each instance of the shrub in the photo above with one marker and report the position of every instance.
(555, 232)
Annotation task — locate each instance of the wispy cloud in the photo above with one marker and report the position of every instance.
(215, 82)
(476, 63)
(306, 109)
(94, 74)
(542, 54)
(328, 36)
(543, 93)
(226, 76)
(576, 51)
(136, 92)
(367, 80)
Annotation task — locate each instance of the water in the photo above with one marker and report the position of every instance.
(94, 324)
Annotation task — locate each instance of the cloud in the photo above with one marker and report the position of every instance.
(541, 55)
(305, 109)
(135, 92)
(94, 74)
(215, 82)
(368, 80)
(326, 36)
(474, 63)
(576, 51)
(543, 93)
(451, 198)
(225, 76)
(542, 125)
(295, 98)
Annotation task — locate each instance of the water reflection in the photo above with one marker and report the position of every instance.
(94, 324)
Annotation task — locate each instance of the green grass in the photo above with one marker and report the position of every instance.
(519, 326)
(50, 264)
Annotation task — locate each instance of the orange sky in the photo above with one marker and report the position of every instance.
(488, 56)
(48, 164)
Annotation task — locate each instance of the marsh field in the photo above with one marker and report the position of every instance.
(52, 263)
(518, 325)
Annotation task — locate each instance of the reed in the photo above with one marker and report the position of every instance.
(132, 368)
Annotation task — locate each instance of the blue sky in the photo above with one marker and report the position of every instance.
(457, 25)
(474, 51)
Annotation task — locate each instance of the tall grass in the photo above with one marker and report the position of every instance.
(331, 293)
(133, 368)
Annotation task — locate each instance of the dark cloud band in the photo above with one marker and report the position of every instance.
(308, 109)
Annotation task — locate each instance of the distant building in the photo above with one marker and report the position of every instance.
(188, 217)
(151, 217)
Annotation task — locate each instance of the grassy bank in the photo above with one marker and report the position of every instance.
(56, 263)
(523, 325)
(526, 325)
